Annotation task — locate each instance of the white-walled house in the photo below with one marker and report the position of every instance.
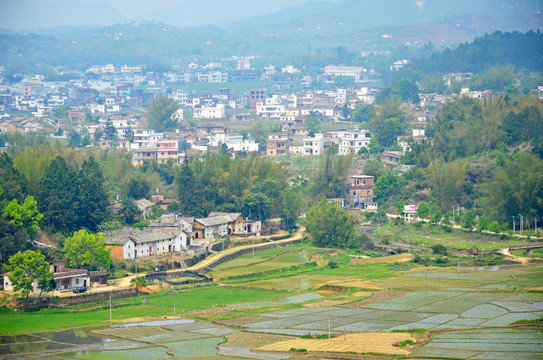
(210, 112)
(313, 145)
(153, 240)
(154, 243)
(353, 142)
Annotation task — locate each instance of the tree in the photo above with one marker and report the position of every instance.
(516, 188)
(362, 112)
(188, 190)
(159, 113)
(387, 184)
(155, 212)
(129, 210)
(446, 180)
(374, 146)
(483, 224)
(469, 220)
(92, 196)
(29, 268)
(57, 196)
(494, 226)
(110, 131)
(387, 131)
(290, 209)
(25, 215)
(258, 206)
(13, 182)
(331, 226)
(86, 250)
(138, 188)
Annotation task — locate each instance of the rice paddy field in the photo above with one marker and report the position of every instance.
(280, 309)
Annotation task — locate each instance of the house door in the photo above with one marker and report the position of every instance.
(249, 228)
(170, 248)
(85, 283)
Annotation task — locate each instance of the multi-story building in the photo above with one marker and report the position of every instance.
(167, 150)
(335, 71)
(272, 108)
(277, 144)
(353, 142)
(360, 189)
(210, 112)
(313, 145)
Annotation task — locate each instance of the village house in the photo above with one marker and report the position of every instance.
(360, 189)
(153, 240)
(353, 141)
(220, 224)
(277, 144)
(65, 279)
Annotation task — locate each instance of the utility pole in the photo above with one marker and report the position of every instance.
(521, 224)
(110, 318)
(514, 226)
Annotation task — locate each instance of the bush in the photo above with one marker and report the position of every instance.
(333, 265)
(439, 249)
(447, 229)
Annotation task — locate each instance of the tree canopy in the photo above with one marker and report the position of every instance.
(331, 226)
(27, 268)
(84, 250)
(159, 113)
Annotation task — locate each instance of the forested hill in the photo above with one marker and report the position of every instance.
(497, 49)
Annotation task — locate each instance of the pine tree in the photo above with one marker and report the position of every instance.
(189, 195)
(12, 181)
(93, 201)
(57, 196)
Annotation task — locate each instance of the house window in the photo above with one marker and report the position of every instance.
(77, 281)
(354, 192)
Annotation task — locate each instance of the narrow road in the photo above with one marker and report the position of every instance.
(215, 257)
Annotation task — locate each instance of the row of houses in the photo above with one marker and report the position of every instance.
(174, 234)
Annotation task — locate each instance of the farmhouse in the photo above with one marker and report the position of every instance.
(64, 278)
(150, 241)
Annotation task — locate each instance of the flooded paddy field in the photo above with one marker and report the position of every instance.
(451, 312)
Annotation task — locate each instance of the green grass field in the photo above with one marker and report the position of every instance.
(157, 305)
(428, 235)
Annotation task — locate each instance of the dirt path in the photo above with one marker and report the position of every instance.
(508, 256)
(215, 257)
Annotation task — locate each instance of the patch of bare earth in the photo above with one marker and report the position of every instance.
(255, 339)
(376, 343)
(383, 260)
(327, 303)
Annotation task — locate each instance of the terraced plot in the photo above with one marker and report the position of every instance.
(485, 344)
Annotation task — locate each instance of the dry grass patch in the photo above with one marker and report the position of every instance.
(376, 343)
(327, 303)
(255, 339)
(383, 260)
(357, 284)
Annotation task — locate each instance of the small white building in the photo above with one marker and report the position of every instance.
(210, 112)
(313, 145)
(353, 142)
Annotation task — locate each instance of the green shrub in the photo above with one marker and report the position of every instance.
(405, 342)
(439, 249)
